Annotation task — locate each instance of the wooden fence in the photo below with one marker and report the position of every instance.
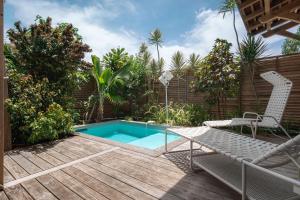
(288, 66)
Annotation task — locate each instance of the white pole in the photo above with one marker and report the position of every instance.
(167, 114)
(166, 132)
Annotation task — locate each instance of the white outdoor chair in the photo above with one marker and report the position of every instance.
(273, 114)
(257, 169)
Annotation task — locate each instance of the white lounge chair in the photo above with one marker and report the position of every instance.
(254, 168)
(273, 113)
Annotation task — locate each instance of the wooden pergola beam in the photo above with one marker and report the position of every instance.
(288, 34)
(267, 11)
(282, 13)
(247, 4)
(291, 16)
(279, 29)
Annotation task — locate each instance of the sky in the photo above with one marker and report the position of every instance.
(188, 26)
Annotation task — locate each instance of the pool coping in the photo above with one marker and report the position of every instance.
(155, 152)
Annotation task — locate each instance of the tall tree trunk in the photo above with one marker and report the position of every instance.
(235, 30)
(178, 95)
(252, 74)
(186, 87)
(158, 57)
(101, 107)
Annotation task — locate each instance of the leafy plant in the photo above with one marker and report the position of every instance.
(291, 46)
(108, 82)
(217, 75)
(50, 125)
(55, 53)
(115, 59)
(44, 66)
(179, 114)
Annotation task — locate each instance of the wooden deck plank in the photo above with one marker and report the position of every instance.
(95, 144)
(77, 187)
(24, 163)
(87, 147)
(36, 160)
(50, 159)
(154, 161)
(114, 182)
(17, 192)
(14, 168)
(167, 183)
(3, 196)
(70, 151)
(106, 190)
(159, 159)
(151, 165)
(7, 176)
(37, 191)
(57, 188)
(95, 168)
(59, 156)
(176, 174)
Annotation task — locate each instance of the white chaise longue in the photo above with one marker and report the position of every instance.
(257, 169)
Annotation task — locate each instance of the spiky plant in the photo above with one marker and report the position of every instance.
(252, 48)
(178, 66)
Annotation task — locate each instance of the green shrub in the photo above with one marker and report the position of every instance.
(27, 99)
(50, 125)
(179, 114)
(45, 65)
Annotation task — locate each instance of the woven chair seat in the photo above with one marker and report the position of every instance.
(236, 146)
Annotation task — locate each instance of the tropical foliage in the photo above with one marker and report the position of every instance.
(252, 48)
(108, 83)
(179, 114)
(291, 46)
(178, 68)
(44, 65)
(156, 39)
(218, 75)
(229, 6)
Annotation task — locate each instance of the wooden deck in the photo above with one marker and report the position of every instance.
(79, 168)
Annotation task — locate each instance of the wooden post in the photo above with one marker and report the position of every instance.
(1, 96)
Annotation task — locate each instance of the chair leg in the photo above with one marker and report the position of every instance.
(285, 131)
(242, 130)
(244, 182)
(191, 155)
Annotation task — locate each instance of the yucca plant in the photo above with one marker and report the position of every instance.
(252, 48)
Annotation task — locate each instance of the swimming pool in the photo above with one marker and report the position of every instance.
(137, 134)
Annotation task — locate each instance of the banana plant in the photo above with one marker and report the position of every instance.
(108, 83)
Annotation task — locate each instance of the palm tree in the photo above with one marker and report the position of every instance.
(145, 57)
(229, 6)
(193, 61)
(177, 67)
(251, 49)
(107, 81)
(156, 39)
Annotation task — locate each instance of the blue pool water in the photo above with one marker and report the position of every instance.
(138, 134)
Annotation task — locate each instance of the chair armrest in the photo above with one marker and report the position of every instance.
(257, 116)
